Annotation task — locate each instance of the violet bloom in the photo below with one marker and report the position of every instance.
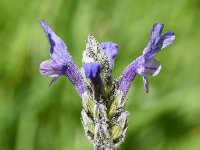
(61, 62)
(146, 64)
(104, 117)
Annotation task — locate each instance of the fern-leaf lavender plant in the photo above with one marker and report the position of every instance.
(104, 117)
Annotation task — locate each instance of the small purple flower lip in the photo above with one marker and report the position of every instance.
(92, 70)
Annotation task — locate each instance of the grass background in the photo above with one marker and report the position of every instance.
(35, 117)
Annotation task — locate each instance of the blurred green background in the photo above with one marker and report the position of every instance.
(35, 117)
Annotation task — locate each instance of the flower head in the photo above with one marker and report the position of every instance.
(103, 115)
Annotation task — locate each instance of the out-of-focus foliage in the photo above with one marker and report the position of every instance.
(35, 117)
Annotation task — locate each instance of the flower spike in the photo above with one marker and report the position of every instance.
(104, 117)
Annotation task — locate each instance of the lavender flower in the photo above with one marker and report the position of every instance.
(92, 70)
(103, 115)
(146, 64)
(61, 62)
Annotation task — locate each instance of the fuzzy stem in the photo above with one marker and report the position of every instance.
(102, 138)
(101, 147)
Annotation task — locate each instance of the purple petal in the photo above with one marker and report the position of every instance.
(158, 41)
(92, 70)
(155, 35)
(50, 69)
(58, 49)
(156, 32)
(152, 67)
(110, 49)
(166, 39)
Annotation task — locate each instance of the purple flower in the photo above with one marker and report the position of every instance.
(92, 70)
(61, 62)
(146, 64)
(111, 51)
